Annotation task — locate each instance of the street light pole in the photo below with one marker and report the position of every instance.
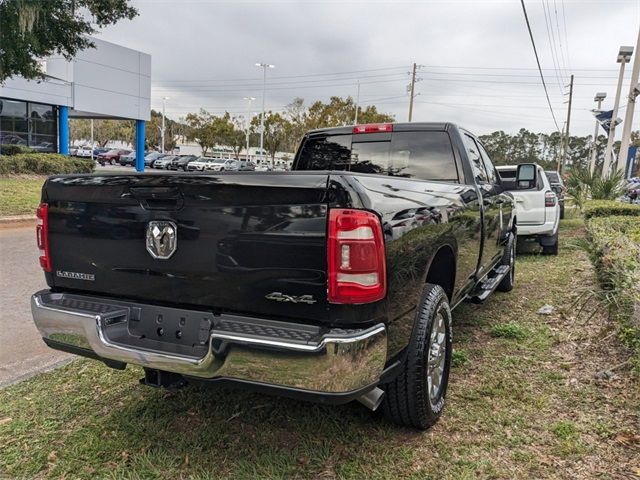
(624, 55)
(164, 99)
(600, 96)
(92, 144)
(628, 117)
(264, 67)
(249, 101)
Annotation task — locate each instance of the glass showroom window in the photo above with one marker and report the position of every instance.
(14, 126)
(30, 124)
(43, 134)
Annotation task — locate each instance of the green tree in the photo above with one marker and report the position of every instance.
(235, 136)
(277, 129)
(337, 112)
(153, 132)
(104, 131)
(208, 130)
(34, 29)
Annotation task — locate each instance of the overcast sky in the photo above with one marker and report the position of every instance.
(478, 66)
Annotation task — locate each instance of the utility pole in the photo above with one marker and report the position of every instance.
(628, 117)
(355, 121)
(566, 132)
(624, 56)
(164, 99)
(411, 90)
(600, 96)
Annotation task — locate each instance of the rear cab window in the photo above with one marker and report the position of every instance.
(423, 155)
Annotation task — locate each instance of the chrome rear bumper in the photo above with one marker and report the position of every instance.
(280, 354)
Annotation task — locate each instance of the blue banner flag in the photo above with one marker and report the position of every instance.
(604, 117)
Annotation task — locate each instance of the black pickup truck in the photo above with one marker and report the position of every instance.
(334, 282)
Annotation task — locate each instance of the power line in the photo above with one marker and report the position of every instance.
(566, 36)
(564, 63)
(535, 51)
(552, 45)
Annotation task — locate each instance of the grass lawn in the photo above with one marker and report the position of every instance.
(524, 402)
(20, 195)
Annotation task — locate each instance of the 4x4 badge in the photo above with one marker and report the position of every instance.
(162, 239)
(281, 297)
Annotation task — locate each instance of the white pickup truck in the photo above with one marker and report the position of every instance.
(537, 208)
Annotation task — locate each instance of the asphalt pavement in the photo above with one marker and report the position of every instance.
(22, 351)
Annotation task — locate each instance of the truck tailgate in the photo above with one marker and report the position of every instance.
(245, 242)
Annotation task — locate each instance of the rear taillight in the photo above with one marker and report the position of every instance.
(42, 236)
(549, 199)
(356, 259)
(373, 128)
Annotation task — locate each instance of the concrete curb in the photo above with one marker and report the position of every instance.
(8, 220)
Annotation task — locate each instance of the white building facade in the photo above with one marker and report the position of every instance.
(109, 81)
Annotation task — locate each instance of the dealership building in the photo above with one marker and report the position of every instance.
(106, 82)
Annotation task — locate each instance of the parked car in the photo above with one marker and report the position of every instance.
(112, 156)
(263, 168)
(85, 151)
(333, 283)
(632, 190)
(128, 160)
(557, 185)
(44, 147)
(73, 150)
(537, 206)
(12, 140)
(246, 166)
(201, 164)
(150, 158)
(99, 150)
(163, 162)
(223, 164)
(181, 162)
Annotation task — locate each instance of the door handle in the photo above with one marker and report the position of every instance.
(158, 198)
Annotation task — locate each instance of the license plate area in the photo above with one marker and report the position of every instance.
(169, 325)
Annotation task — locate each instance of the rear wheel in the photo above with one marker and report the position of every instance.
(551, 247)
(416, 397)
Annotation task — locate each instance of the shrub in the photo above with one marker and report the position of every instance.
(43, 164)
(606, 208)
(583, 185)
(14, 149)
(615, 249)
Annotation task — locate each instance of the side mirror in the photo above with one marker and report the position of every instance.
(526, 176)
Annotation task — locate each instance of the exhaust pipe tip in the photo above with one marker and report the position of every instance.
(372, 399)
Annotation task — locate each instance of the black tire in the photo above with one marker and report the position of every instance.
(408, 400)
(509, 258)
(551, 249)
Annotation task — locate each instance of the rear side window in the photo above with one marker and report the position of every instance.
(420, 155)
(479, 173)
(553, 177)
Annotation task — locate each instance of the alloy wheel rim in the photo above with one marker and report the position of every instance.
(436, 357)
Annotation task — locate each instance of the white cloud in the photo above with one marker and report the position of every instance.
(196, 44)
